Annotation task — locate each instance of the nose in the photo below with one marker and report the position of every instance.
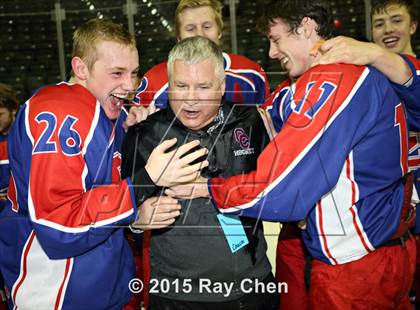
(388, 27)
(273, 52)
(191, 97)
(129, 82)
(199, 32)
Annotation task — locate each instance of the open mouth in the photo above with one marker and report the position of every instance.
(390, 41)
(117, 100)
(190, 113)
(283, 62)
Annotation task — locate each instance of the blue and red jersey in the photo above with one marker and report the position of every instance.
(4, 171)
(246, 82)
(413, 103)
(338, 162)
(62, 241)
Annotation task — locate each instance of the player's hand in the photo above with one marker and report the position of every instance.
(171, 168)
(302, 224)
(157, 212)
(138, 114)
(196, 189)
(346, 50)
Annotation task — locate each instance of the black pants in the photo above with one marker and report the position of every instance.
(251, 301)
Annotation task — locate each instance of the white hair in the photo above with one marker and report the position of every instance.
(194, 50)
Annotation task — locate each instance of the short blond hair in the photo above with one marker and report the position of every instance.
(194, 50)
(87, 36)
(215, 5)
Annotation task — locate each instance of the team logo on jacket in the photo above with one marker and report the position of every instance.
(243, 140)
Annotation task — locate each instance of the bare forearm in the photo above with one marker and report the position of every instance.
(392, 66)
(347, 50)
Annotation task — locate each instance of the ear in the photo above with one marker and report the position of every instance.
(80, 69)
(307, 27)
(413, 27)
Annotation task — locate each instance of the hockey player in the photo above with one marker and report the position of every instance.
(246, 81)
(394, 22)
(62, 245)
(8, 108)
(323, 170)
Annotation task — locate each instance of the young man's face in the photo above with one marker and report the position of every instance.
(199, 21)
(6, 120)
(393, 28)
(195, 93)
(290, 49)
(113, 75)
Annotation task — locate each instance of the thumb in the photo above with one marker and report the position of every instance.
(327, 45)
(152, 108)
(140, 114)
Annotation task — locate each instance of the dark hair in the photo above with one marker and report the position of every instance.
(8, 98)
(293, 12)
(379, 6)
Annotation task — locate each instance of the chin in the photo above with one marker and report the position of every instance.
(112, 115)
(191, 125)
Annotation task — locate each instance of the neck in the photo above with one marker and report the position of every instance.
(408, 50)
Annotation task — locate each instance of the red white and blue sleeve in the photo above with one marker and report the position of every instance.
(62, 163)
(246, 80)
(411, 94)
(275, 103)
(325, 118)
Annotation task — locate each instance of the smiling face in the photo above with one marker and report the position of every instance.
(195, 93)
(292, 50)
(392, 28)
(113, 75)
(200, 21)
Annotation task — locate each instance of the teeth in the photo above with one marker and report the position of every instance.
(283, 62)
(390, 40)
(120, 96)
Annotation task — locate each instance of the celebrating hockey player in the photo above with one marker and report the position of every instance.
(334, 122)
(62, 239)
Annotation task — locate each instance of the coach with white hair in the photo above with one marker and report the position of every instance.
(199, 262)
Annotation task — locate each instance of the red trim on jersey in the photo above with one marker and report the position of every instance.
(60, 291)
(12, 194)
(359, 232)
(24, 267)
(353, 185)
(323, 237)
(400, 121)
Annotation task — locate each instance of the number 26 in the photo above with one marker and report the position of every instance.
(68, 137)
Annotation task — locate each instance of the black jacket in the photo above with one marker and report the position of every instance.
(234, 140)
